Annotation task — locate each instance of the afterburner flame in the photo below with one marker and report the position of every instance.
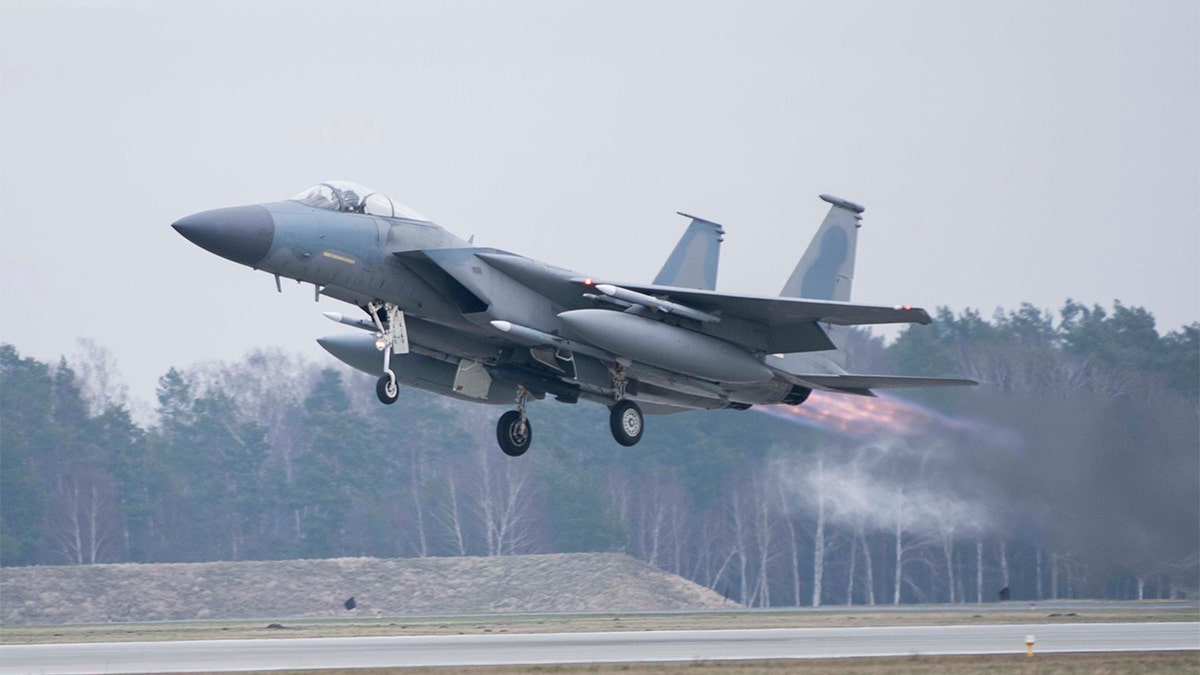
(862, 416)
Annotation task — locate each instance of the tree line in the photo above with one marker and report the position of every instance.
(1072, 472)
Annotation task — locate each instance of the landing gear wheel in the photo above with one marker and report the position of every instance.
(626, 423)
(387, 390)
(514, 432)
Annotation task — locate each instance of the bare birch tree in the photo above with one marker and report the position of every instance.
(738, 520)
(786, 508)
(1003, 555)
(449, 515)
(870, 567)
(502, 502)
(416, 484)
(86, 528)
(819, 536)
(763, 520)
(979, 571)
(899, 536)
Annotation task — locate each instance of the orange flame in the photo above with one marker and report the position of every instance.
(859, 415)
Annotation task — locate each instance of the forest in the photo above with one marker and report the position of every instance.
(1073, 471)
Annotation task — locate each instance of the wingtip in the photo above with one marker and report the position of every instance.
(921, 316)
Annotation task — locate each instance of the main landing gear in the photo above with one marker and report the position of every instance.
(514, 432)
(625, 420)
(625, 417)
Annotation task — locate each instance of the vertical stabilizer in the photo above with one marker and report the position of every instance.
(693, 263)
(826, 270)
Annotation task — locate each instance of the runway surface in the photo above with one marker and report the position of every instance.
(655, 646)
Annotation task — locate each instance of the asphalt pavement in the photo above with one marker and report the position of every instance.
(646, 646)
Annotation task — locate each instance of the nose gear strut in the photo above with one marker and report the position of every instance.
(392, 339)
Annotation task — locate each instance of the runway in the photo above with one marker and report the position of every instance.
(648, 646)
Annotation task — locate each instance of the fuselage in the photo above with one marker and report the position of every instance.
(452, 293)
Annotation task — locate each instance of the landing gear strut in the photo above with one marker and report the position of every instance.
(514, 432)
(393, 338)
(625, 417)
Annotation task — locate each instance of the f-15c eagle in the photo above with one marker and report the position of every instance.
(491, 326)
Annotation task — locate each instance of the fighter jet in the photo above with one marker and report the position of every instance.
(486, 325)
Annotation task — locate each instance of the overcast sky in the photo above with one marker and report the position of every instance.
(1005, 151)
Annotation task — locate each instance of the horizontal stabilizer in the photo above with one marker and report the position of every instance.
(859, 383)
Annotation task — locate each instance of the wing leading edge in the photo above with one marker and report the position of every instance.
(779, 311)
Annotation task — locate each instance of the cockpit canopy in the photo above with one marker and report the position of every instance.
(340, 195)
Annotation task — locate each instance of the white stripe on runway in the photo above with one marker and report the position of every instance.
(661, 646)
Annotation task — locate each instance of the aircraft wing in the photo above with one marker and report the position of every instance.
(770, 311)
(781, 311)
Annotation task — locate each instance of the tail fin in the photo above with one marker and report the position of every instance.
(693, 263)
(826, 271)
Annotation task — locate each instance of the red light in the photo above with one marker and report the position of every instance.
(588, 281)
(907, 307)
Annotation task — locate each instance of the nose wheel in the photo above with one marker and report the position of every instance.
(387, 389)
(626, 423)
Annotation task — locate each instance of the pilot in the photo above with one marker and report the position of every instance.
(352, 201)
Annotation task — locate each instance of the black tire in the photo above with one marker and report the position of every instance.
(626, 423)
(387, 390)
(514, 437)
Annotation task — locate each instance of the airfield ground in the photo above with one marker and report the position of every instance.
(1169, 663)
(1074, 612)
(54, 593)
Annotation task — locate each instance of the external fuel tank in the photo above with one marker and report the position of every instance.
(665, 346)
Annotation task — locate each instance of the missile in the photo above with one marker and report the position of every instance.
(656, 303)
(357, 323)
(549, 339)
(595, 297)
(669, 347)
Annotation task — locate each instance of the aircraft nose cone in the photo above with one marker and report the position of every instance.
(242, 234)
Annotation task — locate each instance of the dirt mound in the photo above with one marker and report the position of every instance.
(579, 582)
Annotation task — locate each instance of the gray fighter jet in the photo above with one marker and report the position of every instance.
(490, 326)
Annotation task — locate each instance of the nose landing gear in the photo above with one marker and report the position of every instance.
(393, 338)
(387, 389)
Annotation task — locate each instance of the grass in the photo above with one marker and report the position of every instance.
(1121, 663)
(559, 623)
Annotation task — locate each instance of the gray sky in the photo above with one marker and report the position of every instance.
(1005, 151)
